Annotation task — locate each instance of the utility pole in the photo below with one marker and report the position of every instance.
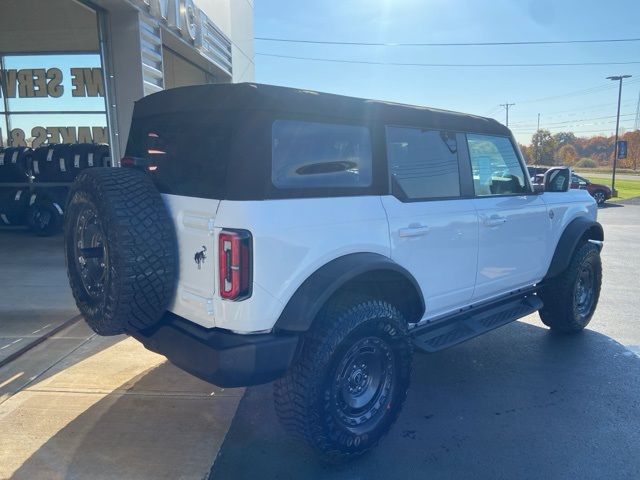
(538, 121)
(617, 78)
(506, 106)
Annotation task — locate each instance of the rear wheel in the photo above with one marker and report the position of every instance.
(350, 382)
(599, 197)
(570, 299)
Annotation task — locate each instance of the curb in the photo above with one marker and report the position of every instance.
(39, 340)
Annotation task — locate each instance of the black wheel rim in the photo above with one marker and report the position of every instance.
(363, 384)
(599, 196)
(42, 219)
(91, 255)
(584, 291)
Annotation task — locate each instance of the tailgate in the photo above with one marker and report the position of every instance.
(194, 218)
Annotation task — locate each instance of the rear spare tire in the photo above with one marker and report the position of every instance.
(121, 250)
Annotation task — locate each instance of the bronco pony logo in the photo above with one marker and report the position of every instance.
(200, 257)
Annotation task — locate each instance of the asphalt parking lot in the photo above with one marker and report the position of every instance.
(519, 402)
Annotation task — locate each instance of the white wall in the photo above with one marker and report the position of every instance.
(235, 19)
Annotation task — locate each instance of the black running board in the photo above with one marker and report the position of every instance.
(466, 325)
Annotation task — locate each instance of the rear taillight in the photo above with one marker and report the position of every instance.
(234, 260)
(128, 162)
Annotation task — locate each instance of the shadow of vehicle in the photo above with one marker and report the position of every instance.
(143, 429)
(521, 402)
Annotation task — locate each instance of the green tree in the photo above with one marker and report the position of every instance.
(543, 146)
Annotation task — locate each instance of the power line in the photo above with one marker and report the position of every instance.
(575, 121)
(564, 127)
(448, 65)
(576, 111)
(577, 93)
(578, 132)
(446, 44)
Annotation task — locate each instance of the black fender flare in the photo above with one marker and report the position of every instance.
(577, 230)
(313, 293)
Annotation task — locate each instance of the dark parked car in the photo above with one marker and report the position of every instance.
(600, 192)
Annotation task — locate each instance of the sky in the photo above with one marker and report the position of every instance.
(575, 98)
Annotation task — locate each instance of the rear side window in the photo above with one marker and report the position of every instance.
(188, 154)
(495, 165)
(423, 163)
(320, 155)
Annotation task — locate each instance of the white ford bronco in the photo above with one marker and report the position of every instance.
(261, 233)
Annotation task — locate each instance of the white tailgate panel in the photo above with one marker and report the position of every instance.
(194, 218)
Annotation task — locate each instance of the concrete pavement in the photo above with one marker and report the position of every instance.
(35, 296)
(83, 406)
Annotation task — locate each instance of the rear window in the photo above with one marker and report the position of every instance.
(320, 155)
(189, 153)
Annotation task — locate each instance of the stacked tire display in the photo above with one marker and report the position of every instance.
(34, 183)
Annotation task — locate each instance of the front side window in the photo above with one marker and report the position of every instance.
(496, 167)
(423, 164)
(320, 155)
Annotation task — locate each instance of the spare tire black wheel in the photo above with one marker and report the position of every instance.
(121, 250)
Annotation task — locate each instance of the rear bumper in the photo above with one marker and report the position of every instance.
(218, 356)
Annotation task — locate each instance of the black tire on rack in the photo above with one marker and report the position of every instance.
(121, 250)
(42, 192)
(58, 195)
(42, 166)
(63, 163)
(13, 206)
(82, 155)
(14, 164)
(101, 156)
(45, 217)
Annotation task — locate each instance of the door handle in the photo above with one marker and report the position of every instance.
(413, 231)
(495, 220)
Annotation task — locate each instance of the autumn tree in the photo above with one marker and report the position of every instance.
(567, 155)
(526, 153)
(564, 138)
(543, 147)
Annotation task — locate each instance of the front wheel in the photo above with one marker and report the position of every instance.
(570, 299)
(351, 380)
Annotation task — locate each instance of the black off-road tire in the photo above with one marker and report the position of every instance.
(308, 400)
(121, 250)
(563, 310)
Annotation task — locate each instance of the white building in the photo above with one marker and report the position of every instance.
(70, 70)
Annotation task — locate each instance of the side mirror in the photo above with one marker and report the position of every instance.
(557, 179)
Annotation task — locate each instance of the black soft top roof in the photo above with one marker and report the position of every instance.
(253, 96)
